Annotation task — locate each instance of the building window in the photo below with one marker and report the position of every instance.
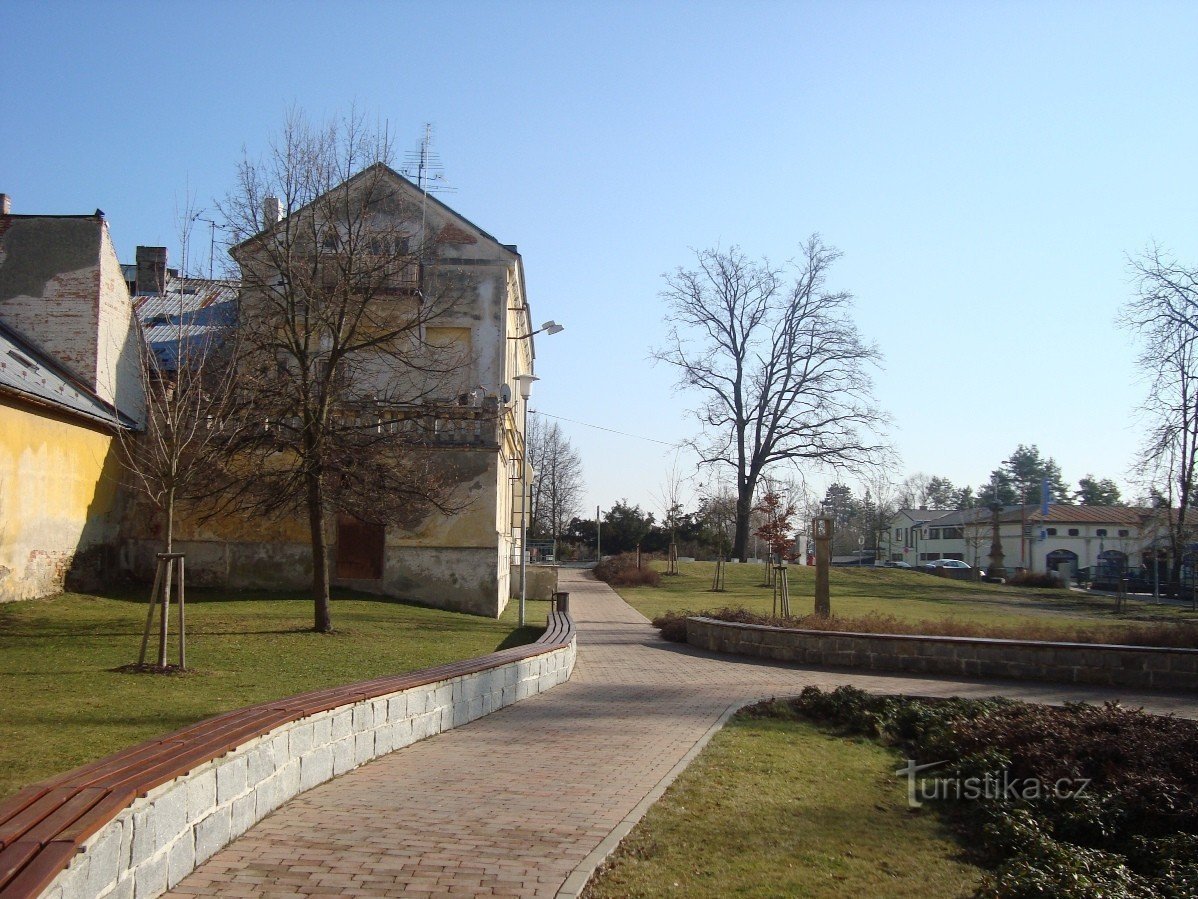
(1073, 532)
(934, 533)
(1101, 532)
(1125, 533)
(953, 533)
(1051, 532)
(898, 535)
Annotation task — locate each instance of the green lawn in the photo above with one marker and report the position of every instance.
(62, 704)
(781, 808)
(908, 595)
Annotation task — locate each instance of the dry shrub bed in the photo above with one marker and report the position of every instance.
(621, 571)
(1178, 635)
(1126, 825)
(1039, 580)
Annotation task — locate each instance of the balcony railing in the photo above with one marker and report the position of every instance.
(435, 425)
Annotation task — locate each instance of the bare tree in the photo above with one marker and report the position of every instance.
(187, 380)
(557, 489)
(1163, 314)
(340, 277)
(670, 502)
(781, 369)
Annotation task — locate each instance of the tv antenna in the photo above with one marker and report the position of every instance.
(423, 166)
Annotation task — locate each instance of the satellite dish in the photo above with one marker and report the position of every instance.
(505, 394)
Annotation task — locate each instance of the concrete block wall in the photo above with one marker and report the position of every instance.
(153, 844)
(1140, 667)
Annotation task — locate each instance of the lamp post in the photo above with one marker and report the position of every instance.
(525, 384)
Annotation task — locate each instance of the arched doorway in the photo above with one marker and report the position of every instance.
(1058, 557)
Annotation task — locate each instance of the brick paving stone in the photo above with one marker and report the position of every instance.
(512, 803)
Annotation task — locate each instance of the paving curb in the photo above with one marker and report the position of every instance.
(580, 876)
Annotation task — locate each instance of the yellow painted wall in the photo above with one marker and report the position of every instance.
(57, 491)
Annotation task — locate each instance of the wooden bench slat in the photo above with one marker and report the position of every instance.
(113, 803)
(78, 804)
(38, 873)
(15, 828)
(15, 857)
(19, 801)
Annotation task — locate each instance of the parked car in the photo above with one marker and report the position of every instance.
(889, 564)
(945, 563)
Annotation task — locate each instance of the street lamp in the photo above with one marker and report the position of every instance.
(524, 383)
(550, 327)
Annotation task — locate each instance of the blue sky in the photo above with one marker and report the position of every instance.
(985, 169)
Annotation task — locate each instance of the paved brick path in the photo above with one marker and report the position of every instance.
(526, 801)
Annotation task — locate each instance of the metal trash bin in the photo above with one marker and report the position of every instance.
(561, 602)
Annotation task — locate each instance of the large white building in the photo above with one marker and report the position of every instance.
(1079, 536)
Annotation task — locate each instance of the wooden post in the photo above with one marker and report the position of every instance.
(164, 618)
(821, 530)
(717, 580)
(168, 571)
(145, 637)
(182, 621)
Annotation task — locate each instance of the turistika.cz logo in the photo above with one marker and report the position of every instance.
(990, 786)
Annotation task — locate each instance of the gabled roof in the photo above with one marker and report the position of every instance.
(32, 375)
(407, 186)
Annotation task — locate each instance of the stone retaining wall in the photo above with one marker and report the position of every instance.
(163, 836)
(1141, 667)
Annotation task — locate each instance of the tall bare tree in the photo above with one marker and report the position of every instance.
(557, 490)
(779, 364)
(1163, 314)
(340, 277)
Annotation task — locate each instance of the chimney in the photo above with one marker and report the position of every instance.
(272, 212)
(5, 204)
(151, 270)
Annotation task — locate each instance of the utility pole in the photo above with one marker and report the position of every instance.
(598, 537)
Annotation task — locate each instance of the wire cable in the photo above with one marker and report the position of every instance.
(586, 424)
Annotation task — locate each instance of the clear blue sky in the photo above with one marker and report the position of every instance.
(984, 168)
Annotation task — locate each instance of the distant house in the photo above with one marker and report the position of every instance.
(1077, 536)
(68, 381)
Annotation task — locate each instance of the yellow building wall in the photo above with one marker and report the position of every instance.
(58, 487)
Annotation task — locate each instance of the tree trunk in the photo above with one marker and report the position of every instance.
(320, 561)
(744, 508)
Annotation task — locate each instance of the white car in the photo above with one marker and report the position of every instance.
(945, 563)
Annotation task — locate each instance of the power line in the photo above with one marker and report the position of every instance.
(587, 424)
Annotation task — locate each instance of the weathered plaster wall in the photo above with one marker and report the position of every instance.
(57, 496)
(49, 285)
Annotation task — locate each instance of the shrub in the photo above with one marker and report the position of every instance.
(1040, 580)
(672, 625)
(621, 571)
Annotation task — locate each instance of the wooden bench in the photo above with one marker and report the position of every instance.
(44, 825)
